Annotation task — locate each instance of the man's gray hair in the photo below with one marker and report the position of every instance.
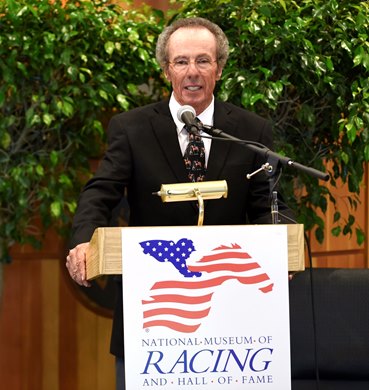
(220, 37)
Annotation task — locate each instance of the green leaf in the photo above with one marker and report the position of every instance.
(132, 88)
(360, 236)
(47, 119)
(109, 65)
(329, 64)
(54, 158)
(336, 231)
(67, 107)
(344, 157)
(5, 140)
(283, 4)
(345, 45)
(22, 68)
(82, 77)
(109, 47)
(86, 70)
(55, 209)
(122, 100)
(347, 229)
(103, 94)
(133, 35)
(72, 206)
(351, 132)
(337, 216)
(72, 71)
(65, 179)
(319, 234)
(97, 125)
(255, 98)
(40, 170)
(358, 59)
(143, 55)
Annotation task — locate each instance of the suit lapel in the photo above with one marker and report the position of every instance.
(166, 134)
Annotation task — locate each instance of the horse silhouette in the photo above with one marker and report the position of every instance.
(181, 305)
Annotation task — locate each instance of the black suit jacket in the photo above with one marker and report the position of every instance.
(144, 153)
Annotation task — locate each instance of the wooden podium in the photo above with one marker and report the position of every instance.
(104, 256)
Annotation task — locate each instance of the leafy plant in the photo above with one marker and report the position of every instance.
(63, 70)
(305, 65)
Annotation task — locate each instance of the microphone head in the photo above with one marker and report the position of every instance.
(184, 109)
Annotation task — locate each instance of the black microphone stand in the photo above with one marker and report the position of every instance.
(272, 167)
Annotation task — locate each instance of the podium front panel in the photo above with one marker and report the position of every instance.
(206, 307)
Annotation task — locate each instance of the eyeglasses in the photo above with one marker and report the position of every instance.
(183, 64)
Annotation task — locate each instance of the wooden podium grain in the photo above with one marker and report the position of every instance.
(104, 255)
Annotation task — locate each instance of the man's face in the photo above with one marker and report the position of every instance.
(192, 69)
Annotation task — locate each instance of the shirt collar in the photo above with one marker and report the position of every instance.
(206, 117)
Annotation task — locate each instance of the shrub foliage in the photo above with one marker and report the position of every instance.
(65, 69)
(62, 71)
(305, 65)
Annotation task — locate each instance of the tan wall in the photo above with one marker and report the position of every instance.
(48, 339)
(343, 251)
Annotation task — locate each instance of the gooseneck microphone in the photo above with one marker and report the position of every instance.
(187, 115)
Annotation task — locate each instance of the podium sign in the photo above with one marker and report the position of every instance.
(206, 307)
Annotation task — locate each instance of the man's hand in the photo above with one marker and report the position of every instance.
(76, 264)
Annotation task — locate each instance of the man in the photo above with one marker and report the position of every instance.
(147, 144)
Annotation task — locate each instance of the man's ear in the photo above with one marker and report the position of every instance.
(219, 73)
(167, 74)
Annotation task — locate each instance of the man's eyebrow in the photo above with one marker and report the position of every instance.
(187, 57)
(180, 56)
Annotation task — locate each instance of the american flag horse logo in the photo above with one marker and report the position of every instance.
(181, 305)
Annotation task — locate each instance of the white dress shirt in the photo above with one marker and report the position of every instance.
(206, 117)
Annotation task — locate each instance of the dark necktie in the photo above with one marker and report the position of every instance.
(194, 158)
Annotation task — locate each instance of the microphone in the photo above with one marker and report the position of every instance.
(187, 115)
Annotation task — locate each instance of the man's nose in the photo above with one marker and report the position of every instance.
(192, 67)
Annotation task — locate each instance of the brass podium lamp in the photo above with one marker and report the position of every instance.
(181, 192)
